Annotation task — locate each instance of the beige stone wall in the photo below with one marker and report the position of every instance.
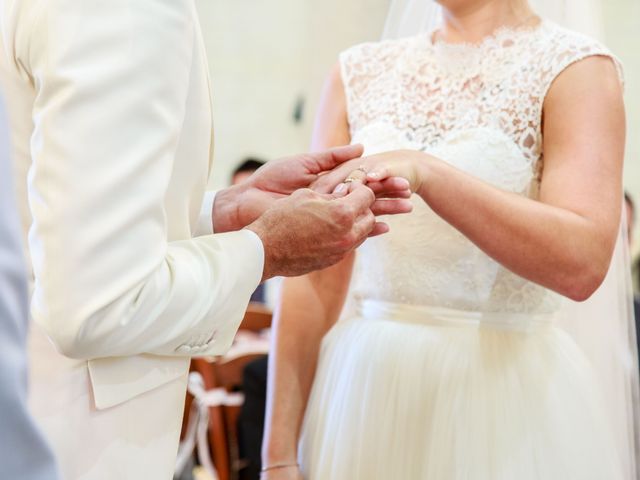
(622, 29)
(265, 55)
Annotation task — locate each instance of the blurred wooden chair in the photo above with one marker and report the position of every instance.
(226, 372)
(257, 318)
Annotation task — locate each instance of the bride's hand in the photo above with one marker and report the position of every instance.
(291, 473)
(377, 172)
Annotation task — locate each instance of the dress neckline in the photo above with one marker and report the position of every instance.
(503, 36)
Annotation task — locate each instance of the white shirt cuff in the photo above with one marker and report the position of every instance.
(205, 219)
(259, 248)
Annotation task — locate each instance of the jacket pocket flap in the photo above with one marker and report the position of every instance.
(116, 380)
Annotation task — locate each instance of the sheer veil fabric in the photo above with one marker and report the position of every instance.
(603, 326)
(410, 17)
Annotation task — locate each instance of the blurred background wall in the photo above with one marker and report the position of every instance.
(268, 60)
(622, 30)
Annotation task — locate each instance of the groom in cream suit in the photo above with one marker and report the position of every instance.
(111, 120)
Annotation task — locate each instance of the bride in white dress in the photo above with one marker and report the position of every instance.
(434, 352)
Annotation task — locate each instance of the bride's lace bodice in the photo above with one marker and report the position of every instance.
(478, 107)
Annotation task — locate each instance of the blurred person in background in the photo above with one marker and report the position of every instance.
(632, 216)
(23, 452)
(630, 208)
(252, 415)
(245, 169)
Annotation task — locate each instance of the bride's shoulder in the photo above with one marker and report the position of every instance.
(560, 40)
(560, 47)
(565, 38)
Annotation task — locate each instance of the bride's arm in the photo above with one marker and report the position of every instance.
(309, 306)
(565, 239)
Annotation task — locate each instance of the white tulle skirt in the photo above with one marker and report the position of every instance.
(421, 393)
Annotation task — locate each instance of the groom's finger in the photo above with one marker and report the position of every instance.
(355, 178)
(364, 226)
(359, 200)
(330, 159)
(327, 183)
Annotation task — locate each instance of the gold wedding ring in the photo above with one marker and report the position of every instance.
(351, 179)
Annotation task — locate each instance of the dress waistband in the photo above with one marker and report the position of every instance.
(442, 316)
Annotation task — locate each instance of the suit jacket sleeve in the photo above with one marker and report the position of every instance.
(111, 83)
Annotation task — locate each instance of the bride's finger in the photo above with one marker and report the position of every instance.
(391, 207)
(398, 194)
(357, 176)
(380, 228)
(379, 173)
(394, 187)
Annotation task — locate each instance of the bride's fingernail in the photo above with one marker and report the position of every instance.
(340, 188)
(374, 175)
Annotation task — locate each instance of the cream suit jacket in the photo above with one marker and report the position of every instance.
(111, 122)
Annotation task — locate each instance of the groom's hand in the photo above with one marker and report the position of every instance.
(309, 231)
(238, 206)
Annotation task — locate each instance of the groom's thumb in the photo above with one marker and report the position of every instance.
(330, 159)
